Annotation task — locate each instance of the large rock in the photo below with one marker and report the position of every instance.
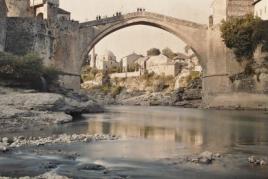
(21, 109)
(49, 102)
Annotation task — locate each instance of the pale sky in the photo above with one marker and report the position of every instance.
(139, 38)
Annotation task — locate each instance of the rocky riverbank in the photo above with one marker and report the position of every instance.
(22, 109)
(189, 97)
(11, 143)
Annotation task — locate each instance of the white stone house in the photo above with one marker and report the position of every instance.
(128, 62)
(162, 65)
(106, 62)
(261, 9)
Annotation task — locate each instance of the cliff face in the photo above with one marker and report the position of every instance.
(255, 77)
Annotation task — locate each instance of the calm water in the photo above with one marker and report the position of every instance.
(154, 140)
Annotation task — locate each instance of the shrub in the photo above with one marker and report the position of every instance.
(237, 34)
(88, 73)
(27, 69)
(153, 52)
(192, 76)
(51, 74)
(116, 90)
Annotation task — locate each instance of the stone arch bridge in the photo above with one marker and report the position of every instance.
(204, 41)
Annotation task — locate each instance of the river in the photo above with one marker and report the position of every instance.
(154, 142)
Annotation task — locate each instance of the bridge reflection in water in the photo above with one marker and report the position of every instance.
(196, 129)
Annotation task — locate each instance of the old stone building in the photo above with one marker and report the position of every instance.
(106, 61)
(128, 62)
(224, 9)
(161, 65)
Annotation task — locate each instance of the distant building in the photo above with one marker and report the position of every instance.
(162, 65)
(260, 9)
(224, 9)
(141, 62)
(128, 62)
(106, 62)
(63, 14)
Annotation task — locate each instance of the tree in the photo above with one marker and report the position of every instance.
(153, 52)
(237, 34)
(169, 53)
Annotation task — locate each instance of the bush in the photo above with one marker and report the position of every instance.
(153, 52)
(88, 73)
(116, 90)
(193, 75)
(27, 69)
(51, 74)
(237, 34)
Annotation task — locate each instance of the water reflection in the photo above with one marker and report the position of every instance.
(219, 130)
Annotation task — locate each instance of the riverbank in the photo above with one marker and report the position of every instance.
(22, 109)
(132, 95)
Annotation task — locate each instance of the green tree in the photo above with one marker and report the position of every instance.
(237, 34)
(153, 52)
(169, 53)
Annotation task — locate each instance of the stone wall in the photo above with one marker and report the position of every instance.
(220, 90)
(238, 8)
(125, 75)
(26, 35)
(2, 33)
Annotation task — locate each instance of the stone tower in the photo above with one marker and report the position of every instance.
(19, 8)
(237, 8)
(224, 9)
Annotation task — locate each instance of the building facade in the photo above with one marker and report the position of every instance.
(128, 62)
(260, 9)
(162, 65)
(106, 62)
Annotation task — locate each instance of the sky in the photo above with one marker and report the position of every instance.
(139, 38)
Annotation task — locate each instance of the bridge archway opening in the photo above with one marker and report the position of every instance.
(106, 36)
(117, 28)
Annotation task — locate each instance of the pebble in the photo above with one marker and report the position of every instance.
(252, 159)
(262, 163)
(255, 161)
(3, 147)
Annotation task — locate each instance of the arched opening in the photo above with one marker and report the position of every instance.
(126, 57)
(40, 16)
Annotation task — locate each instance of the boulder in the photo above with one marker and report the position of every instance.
(3, 147)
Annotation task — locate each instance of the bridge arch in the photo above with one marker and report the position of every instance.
(193, 34)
